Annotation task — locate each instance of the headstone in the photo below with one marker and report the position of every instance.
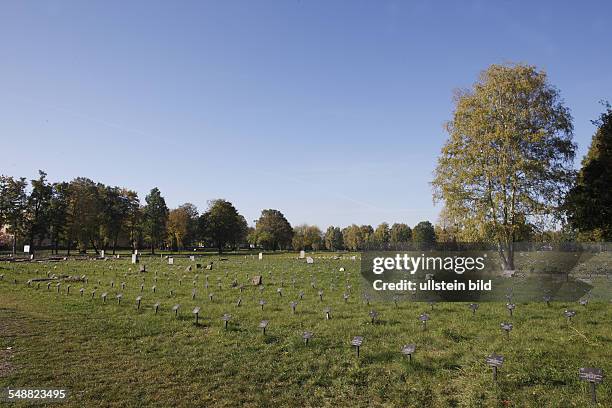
(104, 295)
(327, 312)
(309, 260)
(143, 268)
(119, 297)
(569, 314)
(262, 303)
(260, 256)
(135, 258)
(293, 306)
(170, 261)
(26, 249)
(226, 318)
(345, 297)
(192, 258)
(321, 295)
(175, 309)
(156, 307)
(547, 299)
(256, 280)
(138, 300)
(302, 254)
(510, 307)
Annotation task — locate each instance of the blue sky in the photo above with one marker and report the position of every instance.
(331, 111)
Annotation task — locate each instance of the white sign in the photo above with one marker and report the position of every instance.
(26, 249)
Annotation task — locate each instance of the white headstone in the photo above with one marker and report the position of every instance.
(134, 258)
(260, 256)
(309, 260)
(102, 254)
(192, 258)
(302, 254)
(170, 261)
(26, 249)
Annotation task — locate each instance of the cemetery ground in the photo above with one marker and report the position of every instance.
(115, 354)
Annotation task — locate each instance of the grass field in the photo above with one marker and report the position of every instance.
(110, 354)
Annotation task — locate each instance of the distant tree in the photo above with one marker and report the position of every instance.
(400, 233)
(382, 234)
(13, 205)
(133, 223)
(155, 218)
(353, 237)
(423, 233)
(273, 231)
(367, 235)
(38, 208)
(589, 202)
(115, 212)
(182, 225)
(333, 238)
(84, 214)
(58, 213)
(222, 224)
(306, 237)
(509, 156)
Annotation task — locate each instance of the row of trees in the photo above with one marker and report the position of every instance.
(83, 214)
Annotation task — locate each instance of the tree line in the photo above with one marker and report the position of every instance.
(82, 214)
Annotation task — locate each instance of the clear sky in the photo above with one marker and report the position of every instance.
(330, 111)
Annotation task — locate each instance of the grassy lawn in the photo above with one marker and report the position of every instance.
(110, 354)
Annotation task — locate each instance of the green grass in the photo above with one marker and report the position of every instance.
(113, 355)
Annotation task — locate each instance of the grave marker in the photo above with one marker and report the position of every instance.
(593, 376)
(138, 300)
(569, 314)
(175, 308)
(510, 307)
(495, 361)
(262, 303)
(357, 342)
(119, 297)
(474, 307)
(408, 350)
(226, 318)
(104, 295)
(424, 318)
(307, 336)
(309, 260)
(156, 307)
(327, 312)
(373, 315)
(507, 327)
(263, 325)
(196, 312)
(293, 306)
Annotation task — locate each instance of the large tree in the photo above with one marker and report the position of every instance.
(382, 234)
(221, 224)
(155, 218)
(272, 230)
(423, 233)
(58, 213)
(589, 202)
(84, 214)
(509, 156)
(353, 237)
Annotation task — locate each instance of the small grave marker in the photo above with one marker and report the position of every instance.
(226, 318)
(547, 299)
(408, 350)
(424, 318)
(327, 312)
(474, 307)
(373, 315)
(119, 297)
(495, 361)
(507, 327)
(593, 376)
(263, 325)
(104, 295)
(138, 300)
(156, 307)
(309, 260)
(569, 314)
(357, 342)
(293, 306)
(307, 336)
(510, 307)
(175, 309)
(196, 312)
